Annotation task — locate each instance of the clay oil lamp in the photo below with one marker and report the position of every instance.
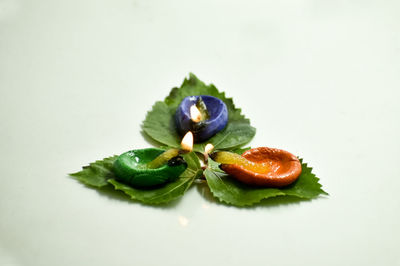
(152, 167)
(266, 167)
(203, 115)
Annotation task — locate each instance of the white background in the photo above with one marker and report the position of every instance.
(318, 78)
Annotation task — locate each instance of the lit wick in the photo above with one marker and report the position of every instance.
(207, 149)
(163, 158)
(195, 114)
(187, 142)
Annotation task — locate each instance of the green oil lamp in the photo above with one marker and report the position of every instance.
(152, 167)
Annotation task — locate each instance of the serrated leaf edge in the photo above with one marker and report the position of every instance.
(192, 76)
(92, 164)
(282, 194)
(119, 186)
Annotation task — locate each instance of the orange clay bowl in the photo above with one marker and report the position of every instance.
(285, 168)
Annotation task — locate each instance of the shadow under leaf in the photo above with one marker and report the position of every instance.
(118, 195)
(273, 202)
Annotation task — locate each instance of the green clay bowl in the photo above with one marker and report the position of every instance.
(130, 168)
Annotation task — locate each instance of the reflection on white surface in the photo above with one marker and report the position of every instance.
(183, 221)
(205, 206)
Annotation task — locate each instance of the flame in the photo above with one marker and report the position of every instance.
(195, 114)
(209, 147)
(187, 142)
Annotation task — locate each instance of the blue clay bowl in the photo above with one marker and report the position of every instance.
(202, 130)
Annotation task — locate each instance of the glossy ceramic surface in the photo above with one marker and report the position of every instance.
(130, 168)
(283, 168)
(202, 130)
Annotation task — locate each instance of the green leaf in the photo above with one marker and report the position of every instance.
(170, 191)
(96, 174)
(231, 191)
(160, 126)
(159, 123)
(240, 151)
(235, 134)
(99, 174)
